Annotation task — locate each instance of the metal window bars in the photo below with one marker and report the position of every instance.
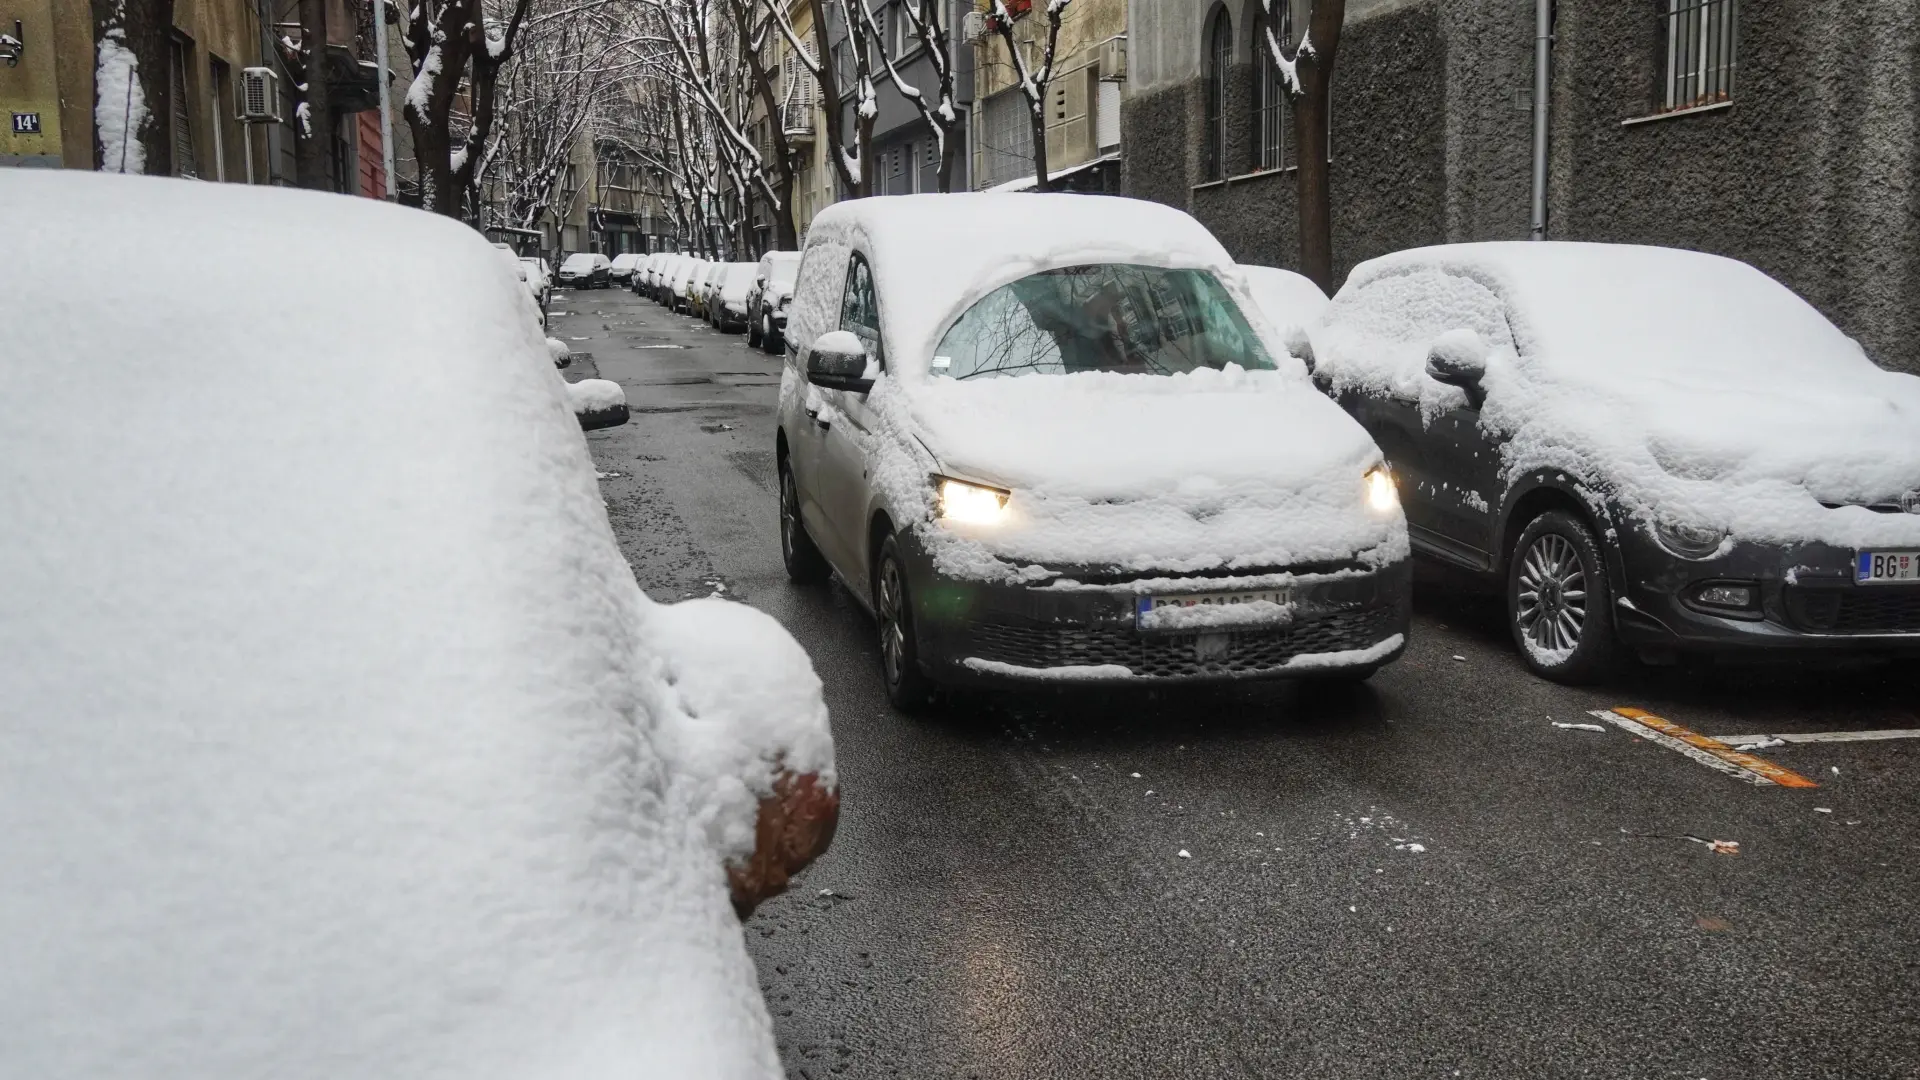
(1701, 39)
(1272, 108)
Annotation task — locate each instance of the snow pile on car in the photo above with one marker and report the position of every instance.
(339, 739)
(1287, 299)
(1692, 389)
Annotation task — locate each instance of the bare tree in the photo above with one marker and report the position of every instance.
(313, 109)
(492, 52)
(1033, 82)
(849, 162)
(942, 117)
(1307, 71)
(756, 31)
(131, 90)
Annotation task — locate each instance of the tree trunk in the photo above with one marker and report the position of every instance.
(830, 100)
(1310, 136)
(143, 28)
(313, 131)
(786, 234)
(949, 153)
(1037, 114)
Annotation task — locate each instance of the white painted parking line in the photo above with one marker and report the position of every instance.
(1821, 736)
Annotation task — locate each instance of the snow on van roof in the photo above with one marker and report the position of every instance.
(934, 255)
(331, 740)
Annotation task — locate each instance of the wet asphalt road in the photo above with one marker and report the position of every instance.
(1421, 878)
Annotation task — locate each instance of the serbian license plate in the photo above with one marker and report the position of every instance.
(1885, 567)
(1148, 604)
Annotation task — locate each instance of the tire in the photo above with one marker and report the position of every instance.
(1559, 603)
(805, 565)
(753, 333)
(908, 688)
(770, 339)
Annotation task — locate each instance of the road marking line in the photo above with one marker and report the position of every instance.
(1822, 736)
(1710, 752)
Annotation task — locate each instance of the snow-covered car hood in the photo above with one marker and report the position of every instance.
(339, 740)
(1206, 470)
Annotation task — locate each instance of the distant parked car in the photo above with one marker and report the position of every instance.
(339, 739)
(727, 304)
(768, 298)
(585, 270)
(1068, 449)
(1653, 449)
(539, 277)
(661, 288)
(1291, 301)
(643, 272)
(700, 288)
(680, 289)
(620, 271)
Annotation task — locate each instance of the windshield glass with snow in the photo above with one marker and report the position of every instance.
(1105, 317)
(578, 263)
(784, 272)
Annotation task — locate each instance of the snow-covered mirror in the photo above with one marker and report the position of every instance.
(1459, 358)
(599, 403)
(839, 361)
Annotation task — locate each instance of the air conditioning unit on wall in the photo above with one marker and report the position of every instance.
(1112, 59)
(973, 27)
(259, 95)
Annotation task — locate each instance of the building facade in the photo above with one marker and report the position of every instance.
(906, 157)
(1084, 97)
(49, 93)
(1783, 135)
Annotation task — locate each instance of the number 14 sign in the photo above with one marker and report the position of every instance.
(26, 123)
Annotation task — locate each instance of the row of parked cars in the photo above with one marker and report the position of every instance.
(749, 297)
(1066, 438)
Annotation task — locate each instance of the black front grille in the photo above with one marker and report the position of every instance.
(1869, 609)
(1247, 652)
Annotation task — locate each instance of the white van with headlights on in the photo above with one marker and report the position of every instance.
(1050, 438)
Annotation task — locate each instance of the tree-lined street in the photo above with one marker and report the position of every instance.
(1423, 875)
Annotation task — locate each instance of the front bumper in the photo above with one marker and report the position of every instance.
(986, 633)
(1805, 601)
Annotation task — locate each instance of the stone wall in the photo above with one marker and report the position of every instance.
(1812, 174)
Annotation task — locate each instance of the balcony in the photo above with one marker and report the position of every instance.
(797, 121)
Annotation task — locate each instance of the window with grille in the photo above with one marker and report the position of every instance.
(1006, 138)
(1272, 107)
(1700, 42)
(1219, 59)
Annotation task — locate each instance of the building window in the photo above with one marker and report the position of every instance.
(1219, 60)
(1272, 106)
(1700, 38)
(1006, 138)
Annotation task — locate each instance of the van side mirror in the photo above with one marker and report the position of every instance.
(1459, 358)
(839, 361)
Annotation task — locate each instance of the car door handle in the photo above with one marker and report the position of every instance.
(814, 415)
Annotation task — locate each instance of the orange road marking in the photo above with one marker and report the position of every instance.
(1782, 776)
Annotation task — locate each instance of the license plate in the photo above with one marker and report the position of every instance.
(1147, 604)
(1886, 567)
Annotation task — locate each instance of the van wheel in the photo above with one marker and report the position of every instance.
(805, 564)
(908, 687)
(753, 333)
(1559, 605)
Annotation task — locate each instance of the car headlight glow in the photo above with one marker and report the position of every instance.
(1382, 495)
(973, 504)
(1689, 541)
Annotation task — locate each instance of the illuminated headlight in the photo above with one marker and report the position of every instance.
(971, 503)
(1688, 541)
(1382, 495)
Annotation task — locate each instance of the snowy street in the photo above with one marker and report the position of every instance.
(1453, 870)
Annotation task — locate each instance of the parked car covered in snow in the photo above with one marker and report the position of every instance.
(620, 271)
(340, 740)
(700, 288)
(539, 278)
(727, 309)
(584, 270)
(1067, 447)
(767, 300)
(679, 294)
(1651, 448)
(1291, 301)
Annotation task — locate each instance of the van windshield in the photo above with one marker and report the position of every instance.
(1105, 317)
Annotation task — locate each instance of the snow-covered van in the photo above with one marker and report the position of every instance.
(767, 300)
(338, 739)
(1050, 438)
(1651, 449)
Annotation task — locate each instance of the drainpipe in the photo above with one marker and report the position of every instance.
(386, 99)
(1542, 61)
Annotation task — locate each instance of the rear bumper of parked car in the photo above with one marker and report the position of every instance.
(1804, 600)
(982, 633)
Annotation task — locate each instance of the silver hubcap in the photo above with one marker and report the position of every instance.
(893, 637)
(789, 514)
(1552, 606)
